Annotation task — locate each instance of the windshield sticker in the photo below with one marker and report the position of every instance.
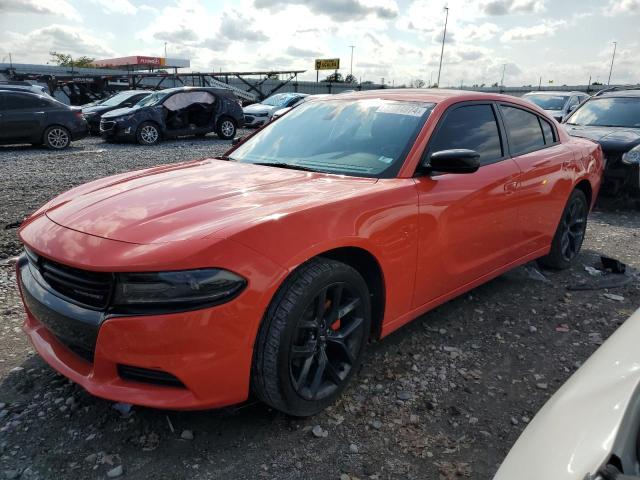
(386, 160)
(400, 109)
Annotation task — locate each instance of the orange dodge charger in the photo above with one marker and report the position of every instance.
(269, 269)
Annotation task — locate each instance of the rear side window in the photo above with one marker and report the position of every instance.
(472, 127)
(524, 130)
(547, 130)
(21, 102)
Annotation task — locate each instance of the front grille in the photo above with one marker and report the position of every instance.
(146, 375)
(90, 289)
(105, 126)
(248, 118)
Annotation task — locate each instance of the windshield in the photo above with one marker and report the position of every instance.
(608, 112)
(277, 100)
(365, 138)
(117, 99)
(548, 102)
(152, 99)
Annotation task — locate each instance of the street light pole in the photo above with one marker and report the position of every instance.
(444, 36)
(615, 45)
(351, 67)
(504, 67)
(165, 49)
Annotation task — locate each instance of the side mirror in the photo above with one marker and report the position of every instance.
(458, 160)
(237, 140)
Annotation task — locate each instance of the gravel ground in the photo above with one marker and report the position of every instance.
(444, 397)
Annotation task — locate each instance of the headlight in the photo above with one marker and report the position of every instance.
(124, 118)
(632, 157)
(175, 291)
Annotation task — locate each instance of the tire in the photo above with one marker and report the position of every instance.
(569, 235)
(56, 137)
(148, 133)
(310, 345)
(226, 128)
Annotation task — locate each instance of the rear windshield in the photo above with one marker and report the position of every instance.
(608, 112)
(366, 138)
(548, 102)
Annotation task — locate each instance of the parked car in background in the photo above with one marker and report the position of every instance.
(260, 114)
(93, 112)
(270, 267)
(589, 429)
(21, 86)
(613, 120)
(300, 101)
(27, 117)
(557, 104)
(175, 112)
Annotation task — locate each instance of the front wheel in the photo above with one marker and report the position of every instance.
(312, 339)
(226, 129)
(148, 134)
(57, 137)
(569, 235)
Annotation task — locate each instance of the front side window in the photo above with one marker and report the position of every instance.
(153, 99)
(523, 128)
(472, 127)
(608, 112)
(367, 138)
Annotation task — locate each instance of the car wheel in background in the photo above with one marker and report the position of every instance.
(148, 134)
(56, 137)
(226, 128)
(312, 339)
(569, 235)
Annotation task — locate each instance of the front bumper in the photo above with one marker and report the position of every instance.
(208, 351)
(117, 130)
(254, 121)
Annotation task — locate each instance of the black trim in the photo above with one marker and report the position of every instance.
(147, 375)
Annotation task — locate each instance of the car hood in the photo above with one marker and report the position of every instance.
(554, 113)
(120, 111)
(258, 108)
(194, 200)
(611, 138)
(575, 432)
(97, 109)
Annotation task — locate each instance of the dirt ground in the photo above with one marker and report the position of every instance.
(444, 397)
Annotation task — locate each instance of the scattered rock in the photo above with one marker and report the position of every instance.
(186, 435)
(375, 423)
(542, 386)
(353, 448)
(319, 432)
(115, 472)
(613, 296)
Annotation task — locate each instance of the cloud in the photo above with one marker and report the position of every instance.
(235, 26)
(520, 34)
(623, 6)
(34, 47)
(61, 8)
(340, 10)
(303, 52)
(179, 35)
(506, 7)
(124, 7)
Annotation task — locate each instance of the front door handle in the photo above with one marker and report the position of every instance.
(510, 187)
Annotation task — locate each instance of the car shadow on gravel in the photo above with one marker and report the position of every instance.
(446, 395)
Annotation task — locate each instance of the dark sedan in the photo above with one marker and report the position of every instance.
(175, 112)
(93, 112)
(27, 117)
(613, 120)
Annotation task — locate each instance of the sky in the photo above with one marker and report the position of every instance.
(555, 42)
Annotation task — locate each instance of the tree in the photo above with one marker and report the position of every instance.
(350, 79)
(66, 60)
(417, 83)
(334, 77)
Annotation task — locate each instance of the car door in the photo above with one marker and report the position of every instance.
(22, 117)
(467, 222)
(545, 181)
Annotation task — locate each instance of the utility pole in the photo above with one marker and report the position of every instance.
(351, 67)
(504, 67)
(430, 79)
(540, 83)
(615, 45)
(444, 36)
(165, 49)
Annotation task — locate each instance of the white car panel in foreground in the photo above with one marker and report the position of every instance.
(594, 415)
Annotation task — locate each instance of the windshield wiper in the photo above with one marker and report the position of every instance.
(287, 165)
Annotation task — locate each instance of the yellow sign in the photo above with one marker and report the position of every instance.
(327, 64)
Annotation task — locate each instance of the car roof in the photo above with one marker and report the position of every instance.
(620, 93)
(556, 92)
(218, 91)
(20, 91)
(431, 95)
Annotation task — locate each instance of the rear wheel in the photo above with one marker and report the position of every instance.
(148, 134)
(313, 338)
(569, 235)
(56, 137)
(226, 128)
